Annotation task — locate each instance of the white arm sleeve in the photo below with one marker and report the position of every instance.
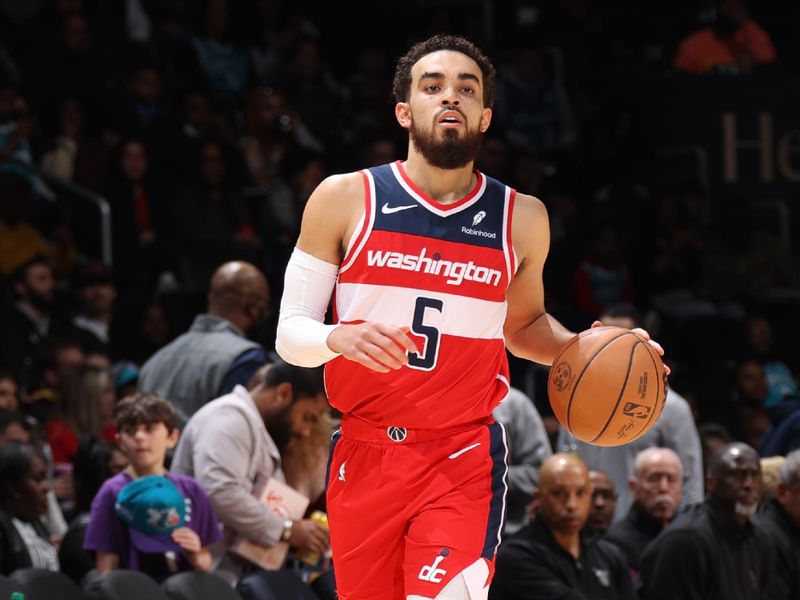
(302, 332)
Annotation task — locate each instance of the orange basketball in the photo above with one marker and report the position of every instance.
(607, 386)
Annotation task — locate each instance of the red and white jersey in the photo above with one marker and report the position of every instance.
(442, 270)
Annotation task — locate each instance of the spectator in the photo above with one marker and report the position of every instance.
(125, 375)
(744, 414)
(604, 502)
(532, 106)
(781, 519)
(528, 447)
(734, 43)
(122, 529)
(783, 436)
(213, 224)
(56, 358)
(14, 429)
(143, 112)
(714, 551)
(551, 558)
(770, 469)
(226, 67)
(272, 127)
(141, 219)
(96, 296)
(95, 461)
(32, 319)
(24, 540)
(196, 122)
(780, 380)
(232, 447)
(144, 334)
(60, 158)
(675, 429)
(602, 278)
(19, 240)
(9, 392)
(214, 355)
(314, 92)
(713, 436)
(86, 401)
(657, 486)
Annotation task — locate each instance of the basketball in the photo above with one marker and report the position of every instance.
(607, 386)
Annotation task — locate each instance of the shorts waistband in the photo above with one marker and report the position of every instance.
(356, 429)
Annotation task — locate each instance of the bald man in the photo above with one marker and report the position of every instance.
(214, 356)
(550, 558)
(656, 486)
(714, 551)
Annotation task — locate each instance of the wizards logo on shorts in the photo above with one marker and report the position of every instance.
(397, 434)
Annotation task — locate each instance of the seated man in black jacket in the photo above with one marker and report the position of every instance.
(550, 558)
(780, 517)
(656, 486)
(714, 551)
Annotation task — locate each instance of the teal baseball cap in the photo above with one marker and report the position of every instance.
(153, 507)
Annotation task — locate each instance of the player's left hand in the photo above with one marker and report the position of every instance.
(643, 334)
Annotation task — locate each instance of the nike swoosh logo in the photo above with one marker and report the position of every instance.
(387, 210)
(463, 450)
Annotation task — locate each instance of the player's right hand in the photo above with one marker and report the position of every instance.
(377, 346)
(309, 535)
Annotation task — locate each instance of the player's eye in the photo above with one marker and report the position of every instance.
(432, 88)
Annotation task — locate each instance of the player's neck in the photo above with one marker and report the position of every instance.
(443, 185)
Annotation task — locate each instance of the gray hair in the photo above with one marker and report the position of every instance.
(649, 453)
(789, 474)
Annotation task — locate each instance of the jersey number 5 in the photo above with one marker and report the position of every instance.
(426, 360)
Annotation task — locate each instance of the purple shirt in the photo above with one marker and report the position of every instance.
(108, 533)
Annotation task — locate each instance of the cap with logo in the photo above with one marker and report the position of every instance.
(153, 507)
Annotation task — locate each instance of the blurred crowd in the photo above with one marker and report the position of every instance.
(206, 126)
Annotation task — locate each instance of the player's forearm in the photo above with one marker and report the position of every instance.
(540, 341)
(302, 334)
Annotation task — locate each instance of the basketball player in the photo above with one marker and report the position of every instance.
(437, 268)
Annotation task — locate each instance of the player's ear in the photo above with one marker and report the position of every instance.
(402, 112)
(486, 119)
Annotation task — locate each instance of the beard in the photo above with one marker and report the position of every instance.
(43, 302)
(746, 510)
(451, 151)
(279, 427)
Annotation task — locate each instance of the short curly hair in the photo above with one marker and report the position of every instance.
(401, 84)
(144, 408)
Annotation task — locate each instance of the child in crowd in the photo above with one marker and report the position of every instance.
(145, 518)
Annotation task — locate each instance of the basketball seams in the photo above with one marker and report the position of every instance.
(585, 368)
(621, 393)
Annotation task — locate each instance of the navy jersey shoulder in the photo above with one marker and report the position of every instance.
(481, 223)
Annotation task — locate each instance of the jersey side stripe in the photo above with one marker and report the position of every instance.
(462, 316)
(369, 219)
(508, 244)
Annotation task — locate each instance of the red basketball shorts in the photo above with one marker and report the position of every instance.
(409, 510)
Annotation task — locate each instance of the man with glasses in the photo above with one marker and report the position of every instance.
(656, 486)
(215, 355)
